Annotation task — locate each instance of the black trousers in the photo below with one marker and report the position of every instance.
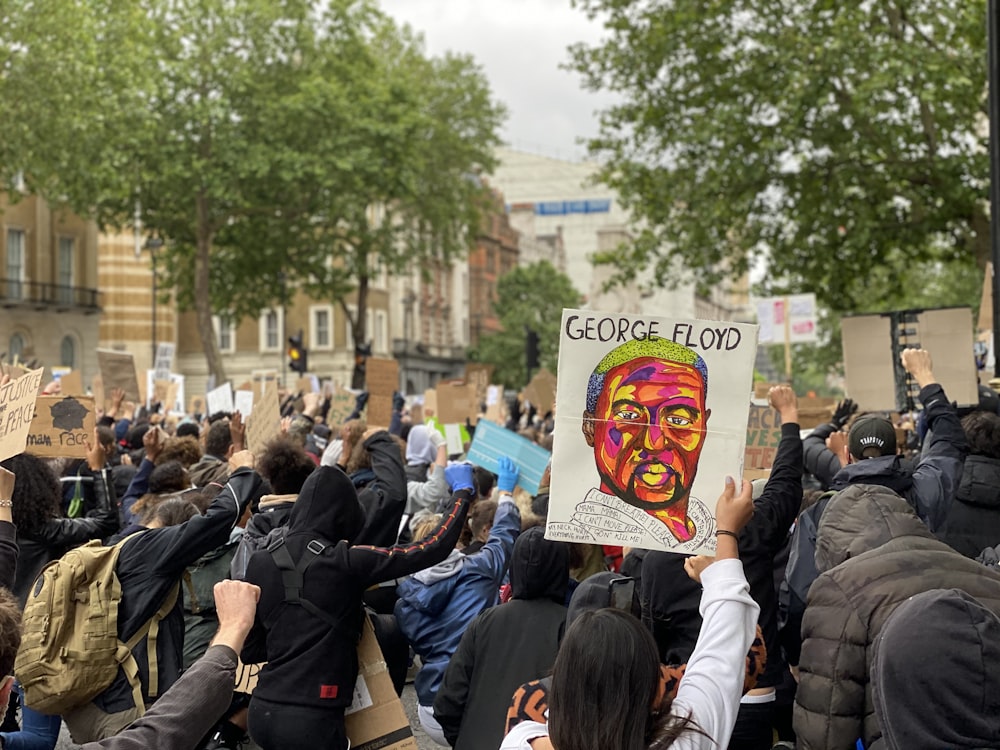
(753, 730)
(282, 726)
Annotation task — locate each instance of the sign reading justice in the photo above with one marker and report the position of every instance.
(652, 417)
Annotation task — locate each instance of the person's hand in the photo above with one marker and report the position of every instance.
(508, 475)
(153, 443)
(237, 432)
(360, 401)
(4, 379)
(837, 444)
(97, 457)
(310, 404)
(459, 477)
(784, 400)
(398, 402)
(6, 484)
(286, 424)
(917, 362)
(128, 410)
(734, 508)
(693, 566)
(241, 459)
(51, 389)
(117, 397)
(436, 438)
(236, 608)
(843, 413)
(126, 459)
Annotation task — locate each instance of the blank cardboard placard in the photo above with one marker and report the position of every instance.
(17, 410)
(382, 380)
(62, 426)
(456, 403)
(265, 423)
(541, 391)
(71, 384)
(118, 371)
(869, 372)
(243, 402)
(430, 403)
(479, 374)
(947, 334)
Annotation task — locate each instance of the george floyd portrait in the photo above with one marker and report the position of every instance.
(649, 425)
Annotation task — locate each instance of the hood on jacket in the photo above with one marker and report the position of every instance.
(936, 673)
(539, 568)
(885, 471)
(327, 506)
(861, 518)
(980, 482)
(430, 591)
(271, 514)
(419, 448)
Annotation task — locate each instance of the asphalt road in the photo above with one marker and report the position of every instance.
(409, 703)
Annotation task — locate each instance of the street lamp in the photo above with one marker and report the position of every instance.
(153, 244)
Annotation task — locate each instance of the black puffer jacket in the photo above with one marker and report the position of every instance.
(973, 522)
(312, 660)
(873, 554)
(60, 535)
(506, 645)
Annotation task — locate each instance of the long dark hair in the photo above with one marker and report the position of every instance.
(605, 685)
(37, 496)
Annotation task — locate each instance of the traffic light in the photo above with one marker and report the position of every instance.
(297, 354)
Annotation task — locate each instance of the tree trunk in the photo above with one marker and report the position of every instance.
(360, 332)
(202, 296)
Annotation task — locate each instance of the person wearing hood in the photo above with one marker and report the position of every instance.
(308, 634)
(436, 605)
(870, 458)
(421, 451)
(936, 674)
(873, 553)
(506, 646)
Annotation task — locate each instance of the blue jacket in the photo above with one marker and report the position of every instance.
(436, 605)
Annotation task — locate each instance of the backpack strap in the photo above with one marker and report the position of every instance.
(293, 577)
(149, 631)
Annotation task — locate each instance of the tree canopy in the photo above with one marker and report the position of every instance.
(824, 139)
(270, 143)
(529, 297)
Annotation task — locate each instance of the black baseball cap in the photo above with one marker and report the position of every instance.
(871, 436)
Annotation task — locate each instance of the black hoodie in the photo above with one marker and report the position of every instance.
(310, 663)
(936, 674)
(506, 646)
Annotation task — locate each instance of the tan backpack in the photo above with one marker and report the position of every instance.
(70, 651)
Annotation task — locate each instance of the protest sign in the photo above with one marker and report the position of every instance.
(382, 380)
(947, 334)
(986, 301)
(118, 371)
(479, 375)
(456, 402)
(815, 411)
(491, 441)
(652, 417)
(196, 405)
(97, 388)
(453, 439)
(341, 407)
(17, 410)
(496, 409)
(430, 403)
(541, 391)
(164, 361)
(261, 381)
(791, 319)
(763, 436)
(62, 427)
(71, 384)
(307, 384)
(220, 399)
(869, 365)
(243, 403)
(168, 391)
(265, 423)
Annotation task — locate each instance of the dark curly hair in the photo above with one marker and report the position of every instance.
(285, 465)
(184, 449)
(165, 480)
(37, 496)
(982, 430)
(218, 439)
(10, 631)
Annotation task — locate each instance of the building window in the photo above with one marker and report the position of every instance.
(67, 352)
(321, 327)
(65, 271)
(270, 331)
(15, 264)
(225, 329)
(17, 345)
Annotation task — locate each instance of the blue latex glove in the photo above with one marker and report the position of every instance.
(508, 474)
(459, 477)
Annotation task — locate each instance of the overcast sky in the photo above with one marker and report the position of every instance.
(520, 45)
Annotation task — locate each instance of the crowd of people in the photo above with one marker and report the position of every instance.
(852, 601)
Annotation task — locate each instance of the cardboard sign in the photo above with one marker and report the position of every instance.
(118, 371)
(382, 380)
(71, 384)
(196, 405)
(454, 441)
(815, 411)
(243, 403)
(265, 423)
(763, 436)
(220, 399)
(456, 403)
(652, 417)
(430, 403)
(869, 365)
(164, 361)
(491, 441)
(341, 407)
(307, 384)
(541, 392)
(97, 386)
(375, 718)
(261, 381)
(168, 392)
(496, 408)
(62, 427)
(986, 301)
(17, 410)
(947, 334)
(479, 375)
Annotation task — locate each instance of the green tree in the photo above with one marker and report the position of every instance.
(528, 297)
(825, 140)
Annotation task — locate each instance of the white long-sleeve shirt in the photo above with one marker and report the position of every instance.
(713, 682)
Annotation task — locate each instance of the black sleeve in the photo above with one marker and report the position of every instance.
(385, 502)
(819, 460)
(778, 505)
(8, 554)
(103, 522)
(377, 564)
(176, 547)
(453, 695)
(255, 646)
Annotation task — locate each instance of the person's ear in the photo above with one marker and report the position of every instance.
(847, 458)
(5, 688)
(230, 451)
(588, 428)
